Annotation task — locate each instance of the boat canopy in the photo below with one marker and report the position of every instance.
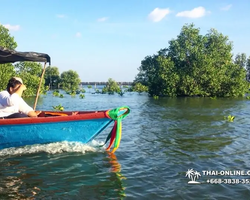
(11, 56)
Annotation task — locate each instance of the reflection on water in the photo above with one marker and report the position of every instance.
(14, 185)
(116, 169)
(66, 175)
(111, 186)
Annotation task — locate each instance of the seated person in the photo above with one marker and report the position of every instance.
(12, 104)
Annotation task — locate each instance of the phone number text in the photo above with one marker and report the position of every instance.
(228, 181)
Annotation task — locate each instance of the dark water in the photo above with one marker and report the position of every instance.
(161, 140)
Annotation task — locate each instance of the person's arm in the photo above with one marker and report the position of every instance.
(23, 106)
(15, 95)
(20, 90)
(26, 109)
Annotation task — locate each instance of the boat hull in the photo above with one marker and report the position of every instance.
(81, 128)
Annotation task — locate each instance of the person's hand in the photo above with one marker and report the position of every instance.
(34, 113)
(38, 112)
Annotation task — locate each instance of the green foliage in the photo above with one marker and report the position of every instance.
(82, 90)
(97, 91)
(72, 92)
(5, 38)
(155, 97)
(241, 60)
(6, 70)
(121, 93)
(81, 96)
(52, 77)
(111, 87)
(58, 107)
(138, 87)
(32, 68)
(70, 80)
(56, 93)
(161, 74)
(229, 118)
(46, 88)
(194, 65)
(130, 89)
(30, 72)
(89, 86)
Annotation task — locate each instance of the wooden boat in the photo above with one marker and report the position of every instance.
(54, 126)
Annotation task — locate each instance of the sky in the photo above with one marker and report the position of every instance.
(102, 39)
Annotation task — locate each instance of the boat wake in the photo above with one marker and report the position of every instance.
(53, 148)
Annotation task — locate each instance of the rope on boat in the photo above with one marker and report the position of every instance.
(115, 135)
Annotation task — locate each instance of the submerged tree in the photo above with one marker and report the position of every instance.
(52, 77)
(194, 65)
(70, 80)
(111, 87)
(138, 87)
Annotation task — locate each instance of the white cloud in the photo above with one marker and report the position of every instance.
(195, 13)
(225, 8)
(78, 34)
(103, 19)
(12, 27)
(158, 14)
(61, 16)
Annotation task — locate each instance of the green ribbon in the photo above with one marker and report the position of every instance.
(117, 115)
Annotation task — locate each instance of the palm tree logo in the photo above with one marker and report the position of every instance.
(193, 175)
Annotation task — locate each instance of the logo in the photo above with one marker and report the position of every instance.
(193, 175)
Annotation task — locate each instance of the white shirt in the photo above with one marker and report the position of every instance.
(10, 104)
